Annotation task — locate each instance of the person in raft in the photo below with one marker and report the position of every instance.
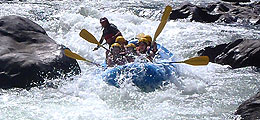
(130, 52)
(115, 58)
(142, 49)
(110, 32)
(121, 40)
(151, 49)
(154, 47)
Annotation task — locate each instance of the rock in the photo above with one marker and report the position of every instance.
(241, 53)
(202, 15)
(250, 109)
(236, 0)
(181, 12)
(176, 14)
(28, 55)
(237, 54)
(224, 7)
(211, 7)
(198, 14)
(227, 18)
(212, 52)
(219, 12)
(258, 22)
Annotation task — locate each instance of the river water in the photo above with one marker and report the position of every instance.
(207, 92)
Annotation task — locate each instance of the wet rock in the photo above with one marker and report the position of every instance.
(258, 22)
(211, 7)
(250, 109)
(28, 55)
(220, 12)
(212, 51)
(237, 54)
(181, 12)
(176, 14)
(226, 18)
(236, 0)
(224, 7)
(202, 15)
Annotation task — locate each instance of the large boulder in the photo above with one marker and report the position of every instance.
(250, 109)
(212, 51)
(220, 12)
(236, 0)
(239, 53)
(181, 12)
(200, 14)
(257, 22)
(28, 55)
(195, 13)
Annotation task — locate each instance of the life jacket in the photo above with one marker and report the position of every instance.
(120, 60)
(110, 31)
(108, 40)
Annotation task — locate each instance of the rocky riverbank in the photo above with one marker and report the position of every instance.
(219, 12)
(28, 55)
(238, 53)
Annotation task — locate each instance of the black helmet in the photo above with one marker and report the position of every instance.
(103, 19)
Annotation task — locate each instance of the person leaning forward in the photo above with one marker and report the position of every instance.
(149, 46)
(115, 58)
(142, 48)
(110, 32)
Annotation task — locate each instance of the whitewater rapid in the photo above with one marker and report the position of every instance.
(206, 92)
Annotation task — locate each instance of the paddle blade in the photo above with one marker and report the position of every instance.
(88, 36)
(164, 19)
(72, 55)
(197, 61)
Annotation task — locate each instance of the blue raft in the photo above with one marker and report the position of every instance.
(147, 76)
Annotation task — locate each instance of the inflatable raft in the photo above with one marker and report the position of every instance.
(146, 75)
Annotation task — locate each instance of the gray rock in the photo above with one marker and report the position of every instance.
(250, 109)
(202, 15)
(218, 12)
(236, 0)
(258, 22)
(28, 55)
(237, 54)
(212, 51)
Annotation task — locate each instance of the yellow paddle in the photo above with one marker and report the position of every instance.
(196, 61)
(164, 19)
(72, 55)
(90, 38)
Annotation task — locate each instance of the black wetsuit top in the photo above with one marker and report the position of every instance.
(110, 31)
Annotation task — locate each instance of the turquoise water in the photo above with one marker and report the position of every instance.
(208, 92)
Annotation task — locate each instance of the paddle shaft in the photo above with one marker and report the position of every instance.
(196, 61)
(104, 48)
(72, 55)
(90, 38)
(163, 22)
(164, 19)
